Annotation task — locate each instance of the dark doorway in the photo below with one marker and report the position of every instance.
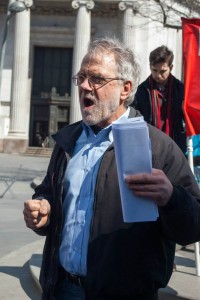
(51, 89)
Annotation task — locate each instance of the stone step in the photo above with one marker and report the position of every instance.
(38, 151)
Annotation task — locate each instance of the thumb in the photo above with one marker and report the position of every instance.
(44, 212)
(44, 207)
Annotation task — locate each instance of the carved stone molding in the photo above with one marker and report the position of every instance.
(104, 9)
(98, 9)
(52, 10)
(28, 3)
(123, 5)
(52, 30)
(47, 36)
(89, 4)
(109, 10)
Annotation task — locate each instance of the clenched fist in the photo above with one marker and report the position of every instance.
(36, 213)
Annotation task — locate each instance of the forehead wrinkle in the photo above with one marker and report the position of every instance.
(103, 64)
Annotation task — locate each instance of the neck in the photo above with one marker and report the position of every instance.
(95, 128)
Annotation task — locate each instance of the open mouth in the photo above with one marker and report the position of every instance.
(88, 103)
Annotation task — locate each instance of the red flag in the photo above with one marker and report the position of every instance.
(191, 62)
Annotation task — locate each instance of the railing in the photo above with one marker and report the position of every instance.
(45, 143)
(197, 174)
(7, 182)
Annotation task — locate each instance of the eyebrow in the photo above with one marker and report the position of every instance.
(90, 74)
(163, 70)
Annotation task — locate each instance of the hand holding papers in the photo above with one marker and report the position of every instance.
(133, 155)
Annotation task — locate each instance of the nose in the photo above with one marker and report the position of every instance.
(159, 76)
(86, 84)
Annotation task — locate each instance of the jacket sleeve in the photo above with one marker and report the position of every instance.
(45, 191)
(41, 192)
(180, 218)
(137, 97)
(142, 102)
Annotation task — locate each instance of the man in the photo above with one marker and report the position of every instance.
(160, 97)
(90, 252)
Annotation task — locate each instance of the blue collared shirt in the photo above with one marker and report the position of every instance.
(79, 187)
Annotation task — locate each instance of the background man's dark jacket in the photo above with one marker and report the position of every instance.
(142, 102)
(124, 259)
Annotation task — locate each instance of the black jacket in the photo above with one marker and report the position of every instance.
(142, 102)
(124, 259)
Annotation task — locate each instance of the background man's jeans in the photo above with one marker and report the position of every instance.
(66, 290)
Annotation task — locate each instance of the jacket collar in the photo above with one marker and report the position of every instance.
(67, 136)
(146, 83)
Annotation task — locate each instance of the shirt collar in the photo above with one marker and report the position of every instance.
(107, 129)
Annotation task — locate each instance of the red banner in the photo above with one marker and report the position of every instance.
(191, 62)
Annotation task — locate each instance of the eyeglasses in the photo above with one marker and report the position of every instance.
(94, 81)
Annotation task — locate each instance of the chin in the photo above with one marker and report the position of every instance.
(89, 121)
(161, 81)
(89, 118)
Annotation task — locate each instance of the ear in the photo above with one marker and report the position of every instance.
(126, 90)
(171, 67)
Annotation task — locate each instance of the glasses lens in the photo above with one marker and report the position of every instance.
(78, 79)
(95, 80)
(74, 79)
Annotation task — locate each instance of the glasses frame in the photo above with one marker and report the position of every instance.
(105, 80)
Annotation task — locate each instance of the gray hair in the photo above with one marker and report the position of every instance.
(127, 66)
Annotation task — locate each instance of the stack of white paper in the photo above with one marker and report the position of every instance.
(133, 155)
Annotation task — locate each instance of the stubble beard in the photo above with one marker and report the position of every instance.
(101, 112)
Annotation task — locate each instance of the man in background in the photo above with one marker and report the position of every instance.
(160, 97)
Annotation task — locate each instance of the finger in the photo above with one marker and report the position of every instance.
(41, 221)
(31, 214)
(145, 177)
(44, 207)
(30, 223)
(141, 179)
(148, 195)
(31, 205)
(159, 196)
(35, 223)
(143, 187)
(35, 214)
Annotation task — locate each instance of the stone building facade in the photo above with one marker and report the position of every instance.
(43, 49)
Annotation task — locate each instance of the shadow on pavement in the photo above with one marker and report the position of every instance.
(26, 281)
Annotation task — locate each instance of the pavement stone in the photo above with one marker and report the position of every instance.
(17, 242)
(14, 233)
(16, 280)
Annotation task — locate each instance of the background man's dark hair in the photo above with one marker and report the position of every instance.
(161, 55)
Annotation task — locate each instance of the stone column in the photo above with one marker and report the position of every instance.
(129, 22)
(81, 41)
(17, 139)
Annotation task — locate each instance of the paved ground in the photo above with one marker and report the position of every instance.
(13, 232)
(21, 249)
(17, 242)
